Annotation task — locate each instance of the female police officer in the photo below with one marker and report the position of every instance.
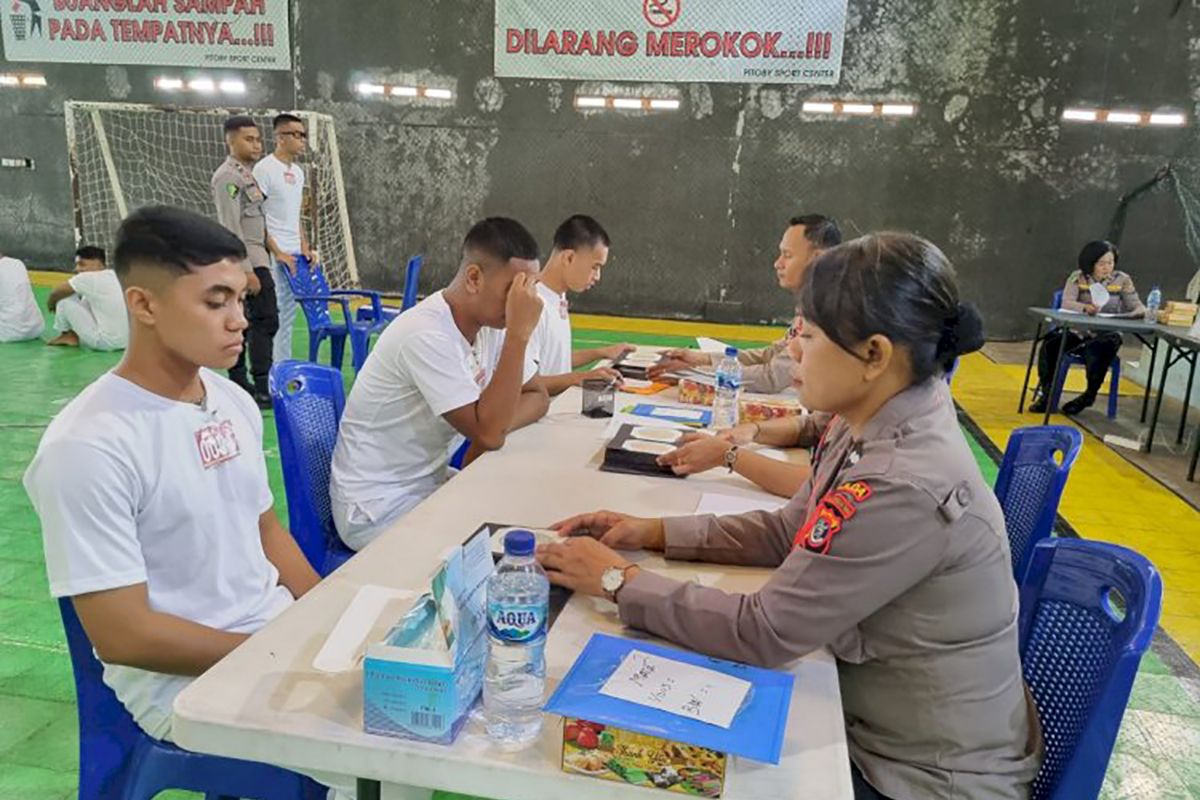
(893, 554)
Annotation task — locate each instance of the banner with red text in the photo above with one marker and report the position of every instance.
(747, 41)
(244, 34)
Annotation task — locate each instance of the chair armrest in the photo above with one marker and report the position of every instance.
(325, 298)
(374, 296)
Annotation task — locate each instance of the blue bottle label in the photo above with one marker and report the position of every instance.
(515, 623)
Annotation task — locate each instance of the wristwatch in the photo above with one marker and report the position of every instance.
(612, 579)
(731, 456)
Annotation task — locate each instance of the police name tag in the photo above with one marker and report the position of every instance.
(217, 443)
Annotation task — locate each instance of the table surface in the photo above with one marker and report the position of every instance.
(266, 702)
(1081, 320)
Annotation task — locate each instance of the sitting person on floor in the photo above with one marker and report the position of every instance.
(1097, 287)
(20, 317)
(151, 485)
(433, 379)
(89, 308)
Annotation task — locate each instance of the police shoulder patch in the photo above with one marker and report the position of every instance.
(831, 512)
(232, 189)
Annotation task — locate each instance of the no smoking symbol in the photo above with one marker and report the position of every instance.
(661, 13)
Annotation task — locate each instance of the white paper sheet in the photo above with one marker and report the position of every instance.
(1100, 295)
(343, 648)
(677, 688)
(707, 345)
(715, 503)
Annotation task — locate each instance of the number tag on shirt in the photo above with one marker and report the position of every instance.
(562, 308)
(289, 179)
(217, 443)
(254, 194)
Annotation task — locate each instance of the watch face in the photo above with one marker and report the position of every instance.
(612, 579)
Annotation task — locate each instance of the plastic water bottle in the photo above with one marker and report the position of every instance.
(1153, 303)
(518, 601)
(728, 397)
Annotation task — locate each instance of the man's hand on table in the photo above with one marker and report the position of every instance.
(578, 563)
(619, 531)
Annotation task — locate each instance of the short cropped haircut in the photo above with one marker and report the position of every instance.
(896, 285)
(236, 123)
(498, 239)
(283, 119)
(822, 231)
(172, 240)
(580, 231)
(1093, 252)
(91, 253)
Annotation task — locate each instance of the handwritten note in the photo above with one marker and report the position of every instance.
(677, 688)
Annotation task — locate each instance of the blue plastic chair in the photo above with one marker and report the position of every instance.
(412, 277)
(119, 761)
(312, 292)
(1037, 462)
(1070, 360)
(308, 400)
(1088, 613)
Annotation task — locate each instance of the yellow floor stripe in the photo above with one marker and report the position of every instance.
(1106, 498)
(47, 279)
(1076, 381)
(671, 327)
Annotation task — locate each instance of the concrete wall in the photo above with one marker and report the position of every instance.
(696, 199)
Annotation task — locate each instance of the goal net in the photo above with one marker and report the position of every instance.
(124, 156)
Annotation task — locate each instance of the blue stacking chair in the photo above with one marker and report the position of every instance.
(308, 400)
(312, 292)
(1037, 462)
(412, 278)
(119, 761)
(1088, 613)
(1070, 360)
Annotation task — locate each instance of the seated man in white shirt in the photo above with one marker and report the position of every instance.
(151, 485)
(20, 317)
(433, 377)
(580, 253)
(89, 309)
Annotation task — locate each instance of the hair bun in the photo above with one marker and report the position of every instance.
(963, 333)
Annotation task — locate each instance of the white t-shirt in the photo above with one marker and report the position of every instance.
(552, 338)
(105, 297)
(393, 444)
(134, 488)
(20, 318)
(283, 184)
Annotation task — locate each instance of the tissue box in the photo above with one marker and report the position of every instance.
(623, 756)
(753, 407)
(421, 680)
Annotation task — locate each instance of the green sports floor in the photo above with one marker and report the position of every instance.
(1157, 755)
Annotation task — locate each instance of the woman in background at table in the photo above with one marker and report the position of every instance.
(1097, 266)
(893, 554)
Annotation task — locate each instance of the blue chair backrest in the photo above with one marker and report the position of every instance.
(308, 401)
(412, 279)
(309, 279)
(1037, 462)
(1056, 300)
(107, 733)
(1088, 612)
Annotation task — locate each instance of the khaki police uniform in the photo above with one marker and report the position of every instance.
(239, 203)
(768, 370)
(1096, 348)
(894, 555)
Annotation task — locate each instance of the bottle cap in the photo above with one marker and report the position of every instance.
(519, 543)
(731, 352)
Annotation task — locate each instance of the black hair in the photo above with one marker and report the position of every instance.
(896, 285)
(174, 240)
(237, 122)
(819, 229)
(501, 239)
(1093, 252)
(579, 231)
(283, 119)
(91, 253)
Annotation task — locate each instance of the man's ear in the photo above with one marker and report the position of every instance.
(140, 302)
(473, 278)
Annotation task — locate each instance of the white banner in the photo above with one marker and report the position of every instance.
(747, 41)
(244, 34)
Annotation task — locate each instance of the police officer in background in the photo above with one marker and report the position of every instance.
(893, 555)
(239, 202)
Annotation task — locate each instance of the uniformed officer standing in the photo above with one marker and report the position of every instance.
(894, 554)
(1097, 267)
(239, 202)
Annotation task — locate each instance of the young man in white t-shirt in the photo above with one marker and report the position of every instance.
(282, 181)
(580, 253)
(434, 377)
(89, 309)
(151, 485)
(20, 317)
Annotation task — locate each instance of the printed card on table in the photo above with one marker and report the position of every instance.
(677, 688)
